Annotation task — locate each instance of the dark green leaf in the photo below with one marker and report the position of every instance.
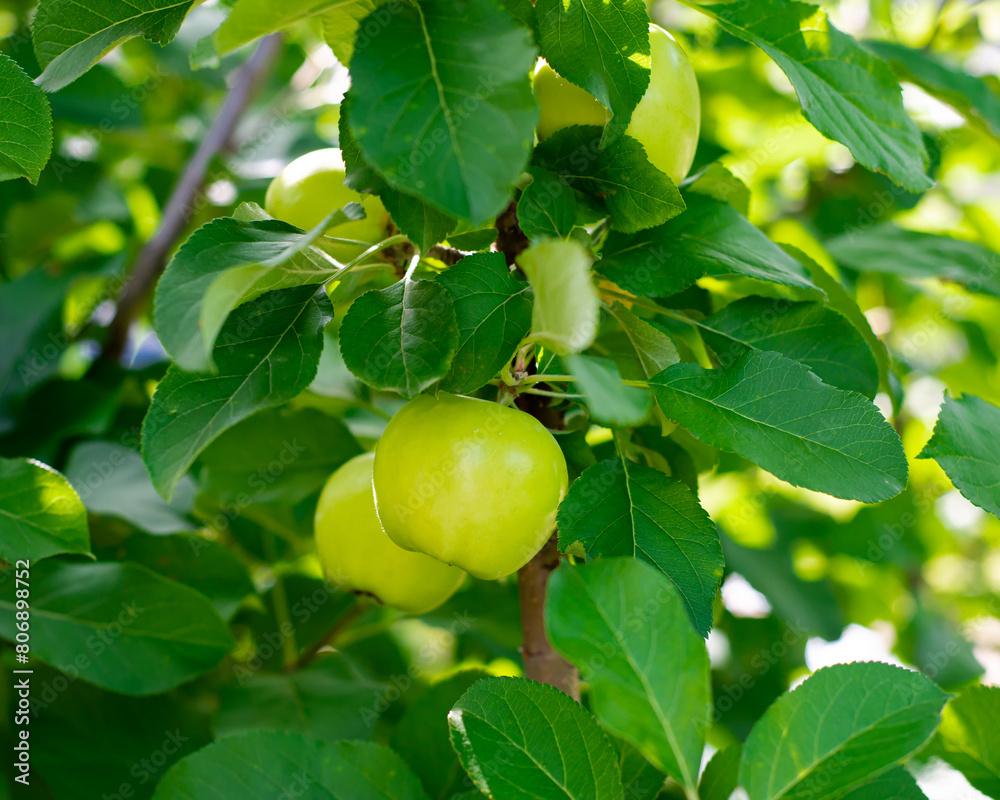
(718, 182)
(655, 350)
(267, 353)
(401, 338)
(896, 784)
(520, 740)
(111, 480)
(842, 727)
(649, 682)
(341, 21)
(330, 699)
(719, 780)
(637, 194)
(618, 508)
(968, 738)
(710, 238)
(965, 445)
(70, 36)
(809, 333)
(276, 456)
(804, 605)
(640, 779)
(442, 104)
(603, 47)
(847, 93)
(206, 565)
(783, 418)
(547, 208)
(25, 124)
(493, 312)
(118, 625)
(422, 736)
(914, 254)
(610, 401)
(224, 264)
(256, 765)
(425, 226)
(972, 96)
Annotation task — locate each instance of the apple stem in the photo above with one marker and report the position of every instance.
(541, 662)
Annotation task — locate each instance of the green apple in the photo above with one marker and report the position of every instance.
(358, 557)
(666, 122)
(469, 482)
(311, 187)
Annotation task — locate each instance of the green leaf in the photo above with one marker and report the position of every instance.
(520, 740)
(638, 195)
(25, 124)
(617, 508)
(649, 683)
(710, 238)
(40, 514)
(718, 182)
(841, 301)
(442, 104)
(610, 401)
(111, 480)
(547, 207)
(640, 779)
(267, 354)
(422, 736)
(277, 456)
(401, 338)
(250, 19)
(493, 313)
(896, 784)
(70, 37)
(809, 333)
(720, 778)
(842, 727)
(423, 225)
(566, 308)
(603, 47)
(913, 254)
(809, 606)
(847, 93)
(656, 350)
(256, 765)
(206, 565)
(119, 626)
(973, 97)
(330, 699)
(779, 415)
(965, 445)
(341, 21)
(223, 265)
(968, 738)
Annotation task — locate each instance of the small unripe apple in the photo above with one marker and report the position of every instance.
(358, 557)
(312, 186)
(469, 482)
(666, 122)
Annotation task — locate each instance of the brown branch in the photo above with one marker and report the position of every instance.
(541, 662)
(183, 199)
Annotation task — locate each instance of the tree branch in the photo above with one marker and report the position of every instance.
(541, 662)
(179, 208)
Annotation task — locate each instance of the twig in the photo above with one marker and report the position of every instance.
(177, 213)
(541, 662)
(344, 621)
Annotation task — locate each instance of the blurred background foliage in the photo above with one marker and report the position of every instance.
(810, 580)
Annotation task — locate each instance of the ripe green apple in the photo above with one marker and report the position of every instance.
(357, 556)
(666, 122)
(312, 186)
(470, 482)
